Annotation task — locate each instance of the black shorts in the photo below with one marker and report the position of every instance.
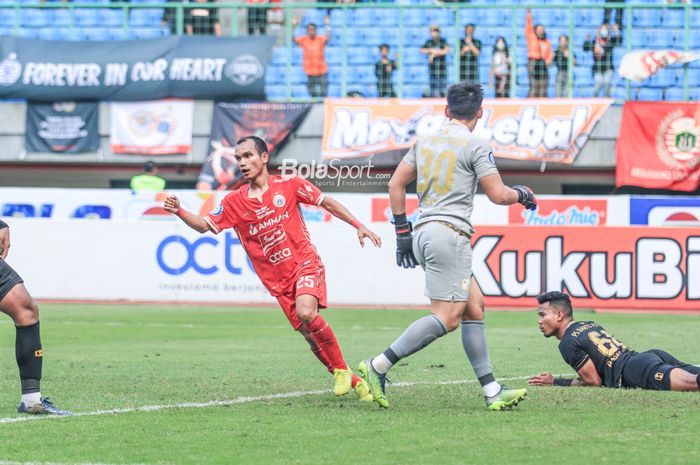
(650, 370)
(8, 279)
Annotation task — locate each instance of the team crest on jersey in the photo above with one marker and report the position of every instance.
(491, 159)
(217, 211)
(278, 200)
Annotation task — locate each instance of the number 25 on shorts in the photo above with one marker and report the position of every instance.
(305, 281)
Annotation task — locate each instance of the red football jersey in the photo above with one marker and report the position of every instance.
(272, 232)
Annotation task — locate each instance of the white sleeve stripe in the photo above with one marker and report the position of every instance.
(320, 199)
(215, 229)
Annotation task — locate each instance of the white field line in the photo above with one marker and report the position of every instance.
(237, 400)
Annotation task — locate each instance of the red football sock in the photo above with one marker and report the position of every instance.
(323, 358)
(326, 341)
(355, 380)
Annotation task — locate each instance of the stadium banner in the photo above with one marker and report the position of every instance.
(630, 268)
(274, 122)
(633, 268)
(203, 67)
(524, 129)
(639, 65)
(62, 127)
(659, 146)
(680, 212)
(160, 127)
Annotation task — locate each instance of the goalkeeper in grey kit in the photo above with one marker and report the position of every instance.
(447, 166)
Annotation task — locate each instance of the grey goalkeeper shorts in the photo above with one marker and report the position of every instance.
(446, 256)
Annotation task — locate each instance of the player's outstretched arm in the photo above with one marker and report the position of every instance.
(500, 194)
(4, 240)
(548, 379)
(196, 222)
(338, 210)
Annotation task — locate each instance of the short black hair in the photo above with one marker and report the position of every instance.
(260, 144)
(312, 25)
(557, 299)
(149, 166)
(470, 25)
(381, 46)
(464, 100)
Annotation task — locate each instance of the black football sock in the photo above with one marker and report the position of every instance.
(29, 357)
(697, 380)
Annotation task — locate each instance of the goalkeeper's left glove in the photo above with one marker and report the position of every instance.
(404, 242)
(526, 197)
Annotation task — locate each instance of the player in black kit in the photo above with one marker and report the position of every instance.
(601, 360)
(19, 305)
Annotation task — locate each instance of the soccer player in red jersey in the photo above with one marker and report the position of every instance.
(266, 217)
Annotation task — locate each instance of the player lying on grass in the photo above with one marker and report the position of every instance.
(266, 217)
(19, 305)
(447, 167)
(601, 360)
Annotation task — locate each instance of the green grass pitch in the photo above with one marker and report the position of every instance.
(125, 357)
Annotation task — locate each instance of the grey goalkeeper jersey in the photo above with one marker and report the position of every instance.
(449, 164)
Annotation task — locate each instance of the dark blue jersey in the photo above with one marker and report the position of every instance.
(584, 340)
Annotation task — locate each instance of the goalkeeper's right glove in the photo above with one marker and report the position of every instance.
(526, 197)
(404, 242)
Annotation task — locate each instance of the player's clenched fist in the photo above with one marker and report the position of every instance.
(526, 197)
(171, 204)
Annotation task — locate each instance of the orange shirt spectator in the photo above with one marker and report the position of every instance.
(314, 47)
(538, 46)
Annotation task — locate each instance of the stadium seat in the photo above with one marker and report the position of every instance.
(673, 17)
(276, 92)
(335, 74)
(583, 91)
(145, 16)
(640, 38)
(340, 17)
(662, 79)
(145, 33)
(334, 55)
(334, 90)
(28, 33)
(391, 36)
(417, 74)
(362, 74)
(7, 17)
(275, 75)
(35, 17)
(297, 75)
(414, 17)
(300, 91)
(119, 33)
(647, 93)
(111, 17)
(646, 18)
(49, 33)
(674, 94)
(86, 17)
(314, 16)
(412, 55)
(95, 33)
(413, 91)
(360, 55)
(386, 18)
(619, 93)
(441, 17)
(363, 17)
(61, 18)
(660, 38)
(372, 36)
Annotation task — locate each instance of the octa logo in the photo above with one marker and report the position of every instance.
(166, 246)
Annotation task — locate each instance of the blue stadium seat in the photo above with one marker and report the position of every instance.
(414, 17)
(583, 91)
(28, 33)
(640, 38)
(119, 33)
(413, 91)
(372, 36)
(441, 17)
(35, 17)
(300, 91)
(660, 38)
(54, 34)
(363, 17)
(521, 91)
(7, 17)
(492, 17)
(86, 17)
(111, 17)
(386, 18)
(276, 92)
(362, 74)
(391, 36)
(417, 74)
(663, 78)
(275, 75)
(334, 55)
(61, 17)
(334, 90)
(648, 93)
(314, 16)
(338, 16)
(619, 93)
(360, 55)
(646, 18)
(145, 16)
(297, 75)
(673, 17)
(95, 33)
(674, 94)
(145, 33)
(469, 16)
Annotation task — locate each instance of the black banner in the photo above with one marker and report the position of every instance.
(178, 66)
(62, 127)
(273, 122)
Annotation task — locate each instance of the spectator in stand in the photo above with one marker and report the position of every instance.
(607, 14)
(257, 18)
(169, 19)
(500, 68)
(384, 69)
(561, 59)
(315, 65)
(202, 21)
(436, 48)
(539, 57)
(602, 47)
(469, 56)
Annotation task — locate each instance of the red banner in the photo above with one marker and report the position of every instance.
(625, 268)
(659, 146)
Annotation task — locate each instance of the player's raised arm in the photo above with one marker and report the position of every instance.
(338, 210)
(4, 240)
(196, 222)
